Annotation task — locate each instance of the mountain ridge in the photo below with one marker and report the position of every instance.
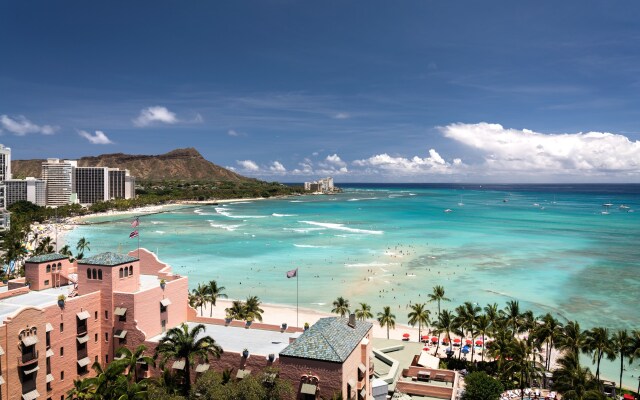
(184, 164)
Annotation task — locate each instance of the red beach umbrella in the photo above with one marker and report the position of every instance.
(478, 342)
(425, 338)
(445, 340)
(425, 348)
(434, 339)
(456, 340)
(406, 335)
(468, 341)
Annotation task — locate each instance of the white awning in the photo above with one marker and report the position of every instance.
(49, 353)
(83, 362)
(83, 315)
(48, 327)
(29, 340)
(32, 395)
(31, 371)
(120, 311)
(362, 368)
(242, 373)
(202, 368)
(308, 388)
(1, 380)
(49, 378)
(1, 351)
(165, 302)
(178, 365)
(352, 383)
(363, 393)
(83, 339)
(120, 334)
(120, 357)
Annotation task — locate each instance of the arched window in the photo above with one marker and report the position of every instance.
(121, 273)
(100, 274)
(94, 274)
(126, 272)
(130, 269)
(59, 266)
(49, 268)
(88, 273)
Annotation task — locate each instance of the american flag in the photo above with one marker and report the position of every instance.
(133, 234)
(293, 273)
(135, 222)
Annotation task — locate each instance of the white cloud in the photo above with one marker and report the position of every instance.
(384, 163)
(276, 166)
(235, 133)
(21, 126)
(155, 114)
(342, 115)
(335, 160)
(528, 152)
(248, 165)
(98, 138)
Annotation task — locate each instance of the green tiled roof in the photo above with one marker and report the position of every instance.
(108, 258)
(46, 258)
(329, 339)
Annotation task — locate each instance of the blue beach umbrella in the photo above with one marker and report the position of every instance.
(465, 350)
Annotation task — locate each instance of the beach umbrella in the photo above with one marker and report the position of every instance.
(445, 340)
(456, 340)
(425, 349)
(406, 335)
(425, 338)
(434, 339)
(478, 342)
(465, 350)
(468, 341)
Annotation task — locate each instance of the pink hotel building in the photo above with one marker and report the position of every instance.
(115, 300)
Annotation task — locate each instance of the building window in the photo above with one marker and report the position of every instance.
(106, 336)
(96, 338)
(100, 274)
(96, 358)
(106, 359)
(61, 375)
(106, 314)
(94, 274)
(48, 268)
(126, 272)
(130, 269)
(89, 273)
(46, 283)
(95, 315)
(61, 351)
(61, 327)
(121, 273)
(59, 266)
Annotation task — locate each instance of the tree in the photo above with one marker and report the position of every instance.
(363, 312)
(340, 306)
(466, 320)
(419, 315)
(82, 389)
(82, 245)
(512, 315)
(548, 332)
(438, 295)
(445, 325)
(622, 344)
(386, 318)
(525, 363)
(574, 382)
(252, 308)
(45, 246)
(214, 292)
(66, 251)
(482, 326)
(132, 359)
(480, 386)
(180, 343)
(598, 343)
(237, 310)
(572, 338)
(199, 296)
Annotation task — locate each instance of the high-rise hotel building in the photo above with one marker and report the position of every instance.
(29, 189)
(5, 173)
(59, 176)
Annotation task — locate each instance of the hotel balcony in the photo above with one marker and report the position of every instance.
(28, 358)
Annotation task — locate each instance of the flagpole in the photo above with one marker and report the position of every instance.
(297, 292)
(138, 219)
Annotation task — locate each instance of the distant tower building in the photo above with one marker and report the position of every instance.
(5, 173)
(30, 189)
(121, 184)
(92, 184)
(59, 176)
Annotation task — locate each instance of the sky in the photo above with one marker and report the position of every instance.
(364, 91)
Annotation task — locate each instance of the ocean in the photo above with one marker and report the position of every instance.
(571, 250)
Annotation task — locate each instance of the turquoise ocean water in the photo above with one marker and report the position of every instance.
(550, 247)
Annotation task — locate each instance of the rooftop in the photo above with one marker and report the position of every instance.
(42, 298)
(108, 259)
(329, 339)
(232, 339)
(46, 257)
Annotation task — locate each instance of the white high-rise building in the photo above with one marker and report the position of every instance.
(59, 176)
(29, 189)
(5, 173)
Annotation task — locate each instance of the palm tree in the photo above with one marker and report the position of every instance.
(180, 343)
(386, 318)
(482, 326)
(467, 316)
(512, 314)
(524, 363)
(445, 324)
(237, 310)
(341, 306)
(548, 332)
(131, 360)
(419, 315)
(622, 344)
(500, 348)
(252, 308)
(573, 381)
(214, 292)
(82, 245)
(599, 343)
(491, 310)
(82, 390)
(200, 296)
(572, 338)
(45, 246)
(438, 295)
(363, 312)
(66, 251)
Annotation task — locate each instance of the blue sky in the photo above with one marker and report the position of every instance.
(415, 91)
